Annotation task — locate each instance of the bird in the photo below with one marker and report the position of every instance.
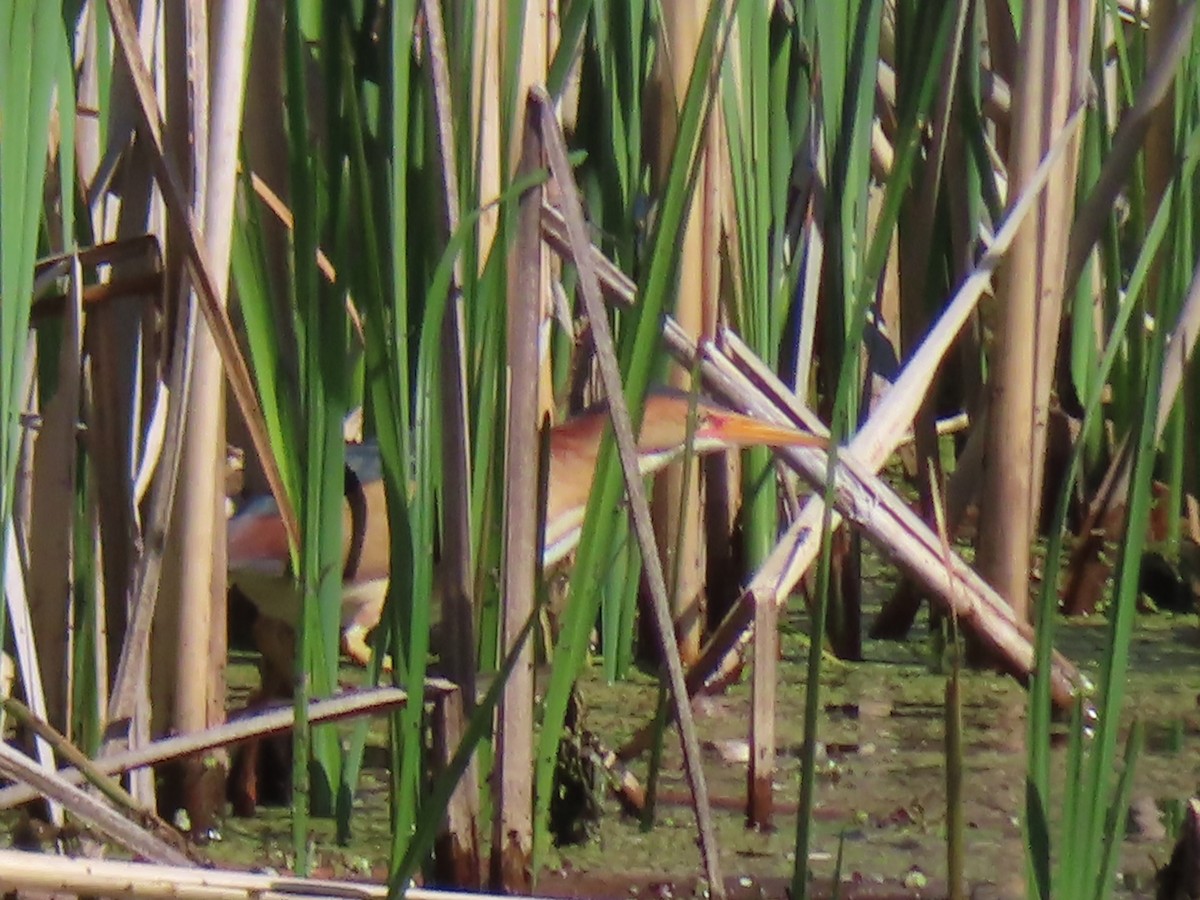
(257, 549)
(259, 560)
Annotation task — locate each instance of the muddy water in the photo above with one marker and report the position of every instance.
(881, 794)
(882, 785)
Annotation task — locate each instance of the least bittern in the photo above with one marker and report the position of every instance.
(257, 545)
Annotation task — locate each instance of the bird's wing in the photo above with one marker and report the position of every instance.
(256, 540)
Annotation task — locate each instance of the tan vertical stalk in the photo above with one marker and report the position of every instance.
(195, 569)
(1067, 59)
(179, 651)
(676, 518)
(1005, 506)
(723, 495)
(229, 26)
(530, 395)
(180, 636)
(536, 47)
(485, 114)
(458, 853)
(512, 837)
(1030, 297)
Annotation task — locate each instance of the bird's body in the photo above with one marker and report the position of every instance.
(259, 560)
(575, 446)
(260, 563)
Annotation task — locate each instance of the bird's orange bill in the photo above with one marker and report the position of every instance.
(735, 428)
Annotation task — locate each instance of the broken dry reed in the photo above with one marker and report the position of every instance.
(277, 721)
(86, 808)
(22, 871)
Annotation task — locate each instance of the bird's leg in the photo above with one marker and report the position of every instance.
(354, 645)
(276, 645)
(242, 785)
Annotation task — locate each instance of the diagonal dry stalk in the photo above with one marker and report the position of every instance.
(175, 198)
(1115, 485)
(589, 281)
(109, 787)
(1127, 142)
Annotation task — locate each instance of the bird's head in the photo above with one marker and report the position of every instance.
(575, 443)
(666, 425)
